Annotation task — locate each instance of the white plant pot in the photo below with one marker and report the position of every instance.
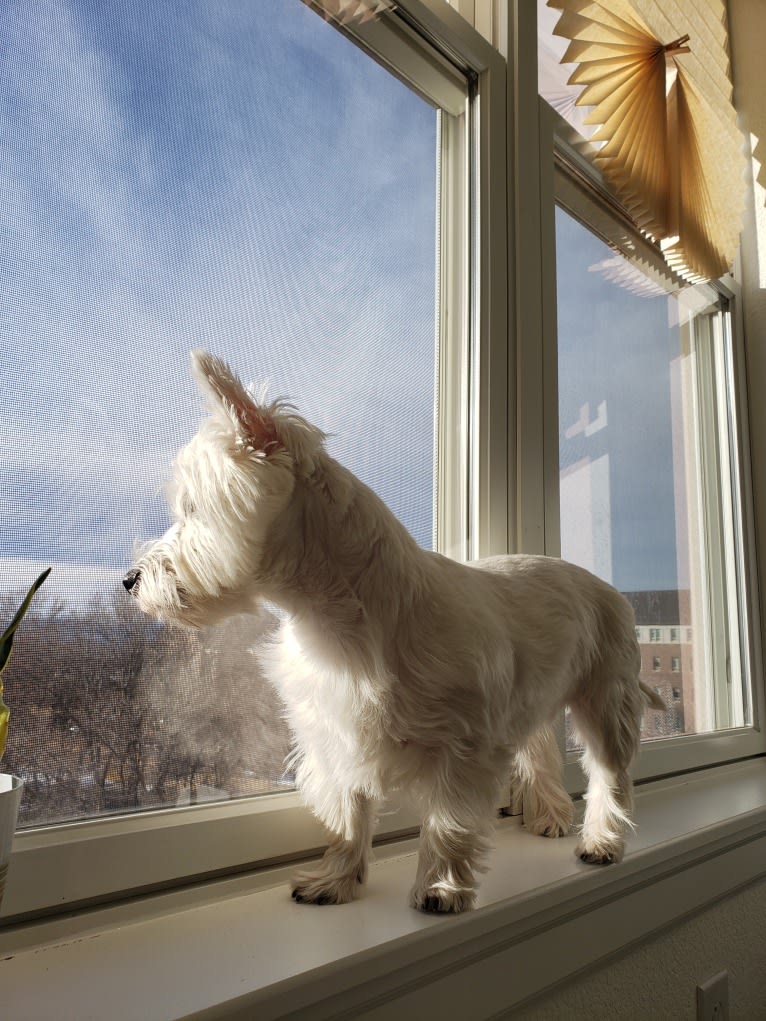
(10, 799)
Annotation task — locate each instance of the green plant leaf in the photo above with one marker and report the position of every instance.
(6, 639)
(6, 644)
(4, 716)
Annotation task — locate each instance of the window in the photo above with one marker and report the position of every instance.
(645, 500)
(652, 433)
(147, 213)
(192, 217)
(304, 200)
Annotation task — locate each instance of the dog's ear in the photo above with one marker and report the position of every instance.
(228, 396)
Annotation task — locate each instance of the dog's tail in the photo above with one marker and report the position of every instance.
(652, 698)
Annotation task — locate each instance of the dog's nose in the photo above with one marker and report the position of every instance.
(131, 580)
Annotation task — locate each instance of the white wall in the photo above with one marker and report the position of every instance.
(657, 981)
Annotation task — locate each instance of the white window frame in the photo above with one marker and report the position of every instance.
(68, 865)
(538, 418)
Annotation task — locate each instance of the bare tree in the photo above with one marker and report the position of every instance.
(111, 711)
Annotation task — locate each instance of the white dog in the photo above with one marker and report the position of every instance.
(399, 668)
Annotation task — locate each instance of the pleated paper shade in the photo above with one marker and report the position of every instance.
(656, 77)
(350, 12)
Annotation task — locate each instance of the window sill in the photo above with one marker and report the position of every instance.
(240, 948)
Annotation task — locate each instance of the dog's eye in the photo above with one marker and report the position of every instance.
(186, 505)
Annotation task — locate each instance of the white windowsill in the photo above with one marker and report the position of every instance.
(241, 948)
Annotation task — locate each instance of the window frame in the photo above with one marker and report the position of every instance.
(65, 866)
(560, 144)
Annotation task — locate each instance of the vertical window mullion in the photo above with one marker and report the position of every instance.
(453, 340)
(735, 620)
(712, 476)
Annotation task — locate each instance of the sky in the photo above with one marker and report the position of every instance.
(233, 176)
(238, 176)
(616, 351)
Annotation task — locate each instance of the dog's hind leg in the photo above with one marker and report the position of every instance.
(344, 864)
(609, 729)
(536, 777)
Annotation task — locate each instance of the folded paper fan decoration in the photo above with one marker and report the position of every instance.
(667, 134)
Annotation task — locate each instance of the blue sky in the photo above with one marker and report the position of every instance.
(239, 176)
(235, 176)
(616, 348)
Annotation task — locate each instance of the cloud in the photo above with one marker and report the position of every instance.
(191, 179)
(69, 584)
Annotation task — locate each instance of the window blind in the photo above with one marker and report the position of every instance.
(657, 78)
(350, 12)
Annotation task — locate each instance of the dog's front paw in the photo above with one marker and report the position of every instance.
(600, 852)
(437, 900)
(324, 888)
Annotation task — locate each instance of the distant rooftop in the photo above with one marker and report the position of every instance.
(660, 606)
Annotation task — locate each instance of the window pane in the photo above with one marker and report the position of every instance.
(239, 177)
(645, 488)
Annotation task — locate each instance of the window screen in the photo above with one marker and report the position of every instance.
(239, 177)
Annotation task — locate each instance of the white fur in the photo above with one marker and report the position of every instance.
(399, 668)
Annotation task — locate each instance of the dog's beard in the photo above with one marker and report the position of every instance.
(205, 568)
(159, 594)
(179, 585)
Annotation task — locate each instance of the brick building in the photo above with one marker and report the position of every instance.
(664, 632)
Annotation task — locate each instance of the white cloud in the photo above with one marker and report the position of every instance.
(70, 584)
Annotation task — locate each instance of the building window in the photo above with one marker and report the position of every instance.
(656, 664)
(675, 664)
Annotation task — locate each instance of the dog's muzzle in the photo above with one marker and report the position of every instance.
(131, 580)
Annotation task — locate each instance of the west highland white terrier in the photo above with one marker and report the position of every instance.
(399, 668)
